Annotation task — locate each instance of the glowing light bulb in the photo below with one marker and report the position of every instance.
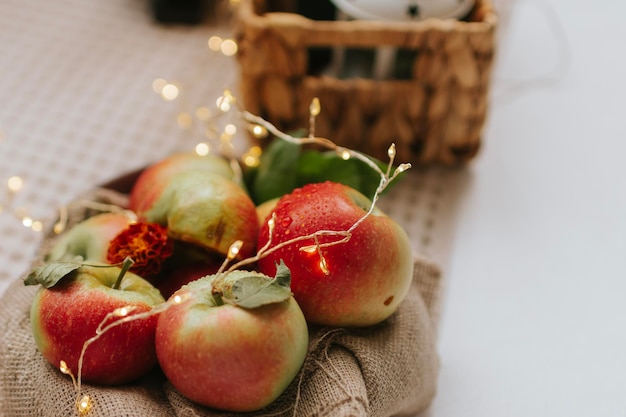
(215, 43)
(258, 131)
(169, 92)
(315, 107)
(203, 149)
(64, 368)
(84, 405)
(392, 151)
(234, 249)
(230, 129)
(309, 249)
(229, 47)
(121, 312)
(15, 183)
(251, 160)
(324, 266)
(58, 228)
(223, 103)
(37, 226)
(403, 167)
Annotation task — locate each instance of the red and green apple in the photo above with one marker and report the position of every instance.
(70, 306)
(360, 282)
(232, 346)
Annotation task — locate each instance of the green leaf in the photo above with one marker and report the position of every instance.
(48, 275)
(283, 275)
(276, 174)
(256, 290)
(285, 166)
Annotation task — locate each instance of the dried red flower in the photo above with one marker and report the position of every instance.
(146, 243)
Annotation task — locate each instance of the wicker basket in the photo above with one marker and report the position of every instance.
(436, 115)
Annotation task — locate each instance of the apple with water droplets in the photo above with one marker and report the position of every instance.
(235, 343)
(70, 306)
(357, 283)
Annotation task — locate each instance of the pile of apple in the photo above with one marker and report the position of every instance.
(233, 341)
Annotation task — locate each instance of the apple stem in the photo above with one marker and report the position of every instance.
(126, 264)
(217, 299)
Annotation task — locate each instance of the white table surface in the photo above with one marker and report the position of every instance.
(531, 236)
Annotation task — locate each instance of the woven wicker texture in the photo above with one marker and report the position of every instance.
(437, 115)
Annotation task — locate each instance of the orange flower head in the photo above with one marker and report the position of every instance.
(146, 243)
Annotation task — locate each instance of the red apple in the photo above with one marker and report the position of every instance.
(225, 356)
(207, 210)
(153, 179)
(67, 314)
(90, 238)
(357, 283)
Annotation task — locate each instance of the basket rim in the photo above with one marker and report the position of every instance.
(317, 32)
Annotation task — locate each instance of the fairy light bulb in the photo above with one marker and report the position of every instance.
(64, 368)
(344, 154)
(315, 107)
(230, 129)
(202, 149)
(309, 249)
(15, 184)
(214, 43)
(170, 92)
(121, 312)
(251, 158)
(324, 266)
(258, 131)
(84, 405)
(37, 226)
(403, 167)
(225, 101)
(229, 47)
(234, 249)
(27, 221)
(391, 152)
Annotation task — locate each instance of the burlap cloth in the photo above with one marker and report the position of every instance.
(383, 370)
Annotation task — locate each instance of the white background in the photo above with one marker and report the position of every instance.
(534, 310)
(534, 318)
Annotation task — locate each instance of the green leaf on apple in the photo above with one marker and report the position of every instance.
(284, 166)
(49, 274)
(256, 290)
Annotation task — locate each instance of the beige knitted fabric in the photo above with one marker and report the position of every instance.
(383, 370)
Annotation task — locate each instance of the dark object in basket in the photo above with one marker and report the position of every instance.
(189, 12)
